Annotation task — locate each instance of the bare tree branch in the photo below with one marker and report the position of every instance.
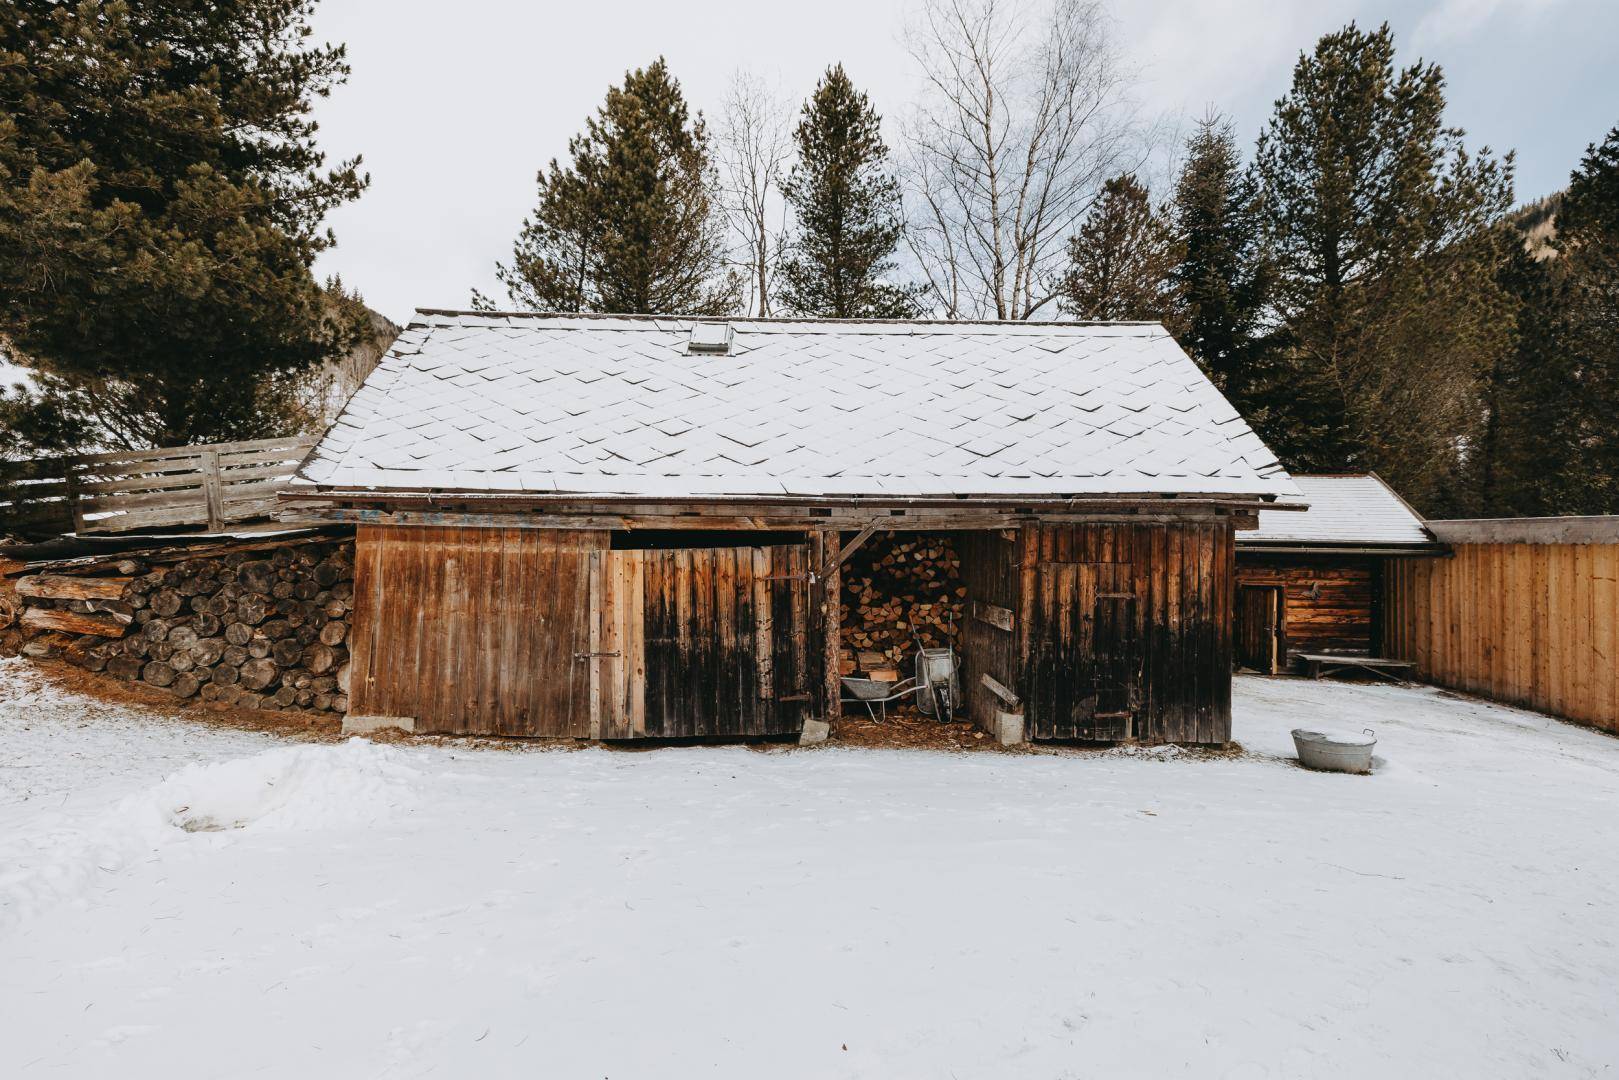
(754, 147)
(1027, 112)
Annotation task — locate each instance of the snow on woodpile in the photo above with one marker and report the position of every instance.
(725, 912)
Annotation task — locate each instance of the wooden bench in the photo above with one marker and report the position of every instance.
(1317, 665)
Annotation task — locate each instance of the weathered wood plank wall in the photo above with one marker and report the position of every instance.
(1125, 631)
(473, 630)
(989, 644)
(723, 641)
(1330, 604)
(1525, 623)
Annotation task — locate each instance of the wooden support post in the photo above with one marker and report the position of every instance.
(213, 491)
(830, 610)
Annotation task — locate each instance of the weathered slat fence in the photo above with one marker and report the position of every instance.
(1525, 612)
(213, 485)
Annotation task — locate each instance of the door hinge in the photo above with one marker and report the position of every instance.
(592, 655)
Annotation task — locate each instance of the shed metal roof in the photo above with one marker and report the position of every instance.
(1353, 510)
(615, 406)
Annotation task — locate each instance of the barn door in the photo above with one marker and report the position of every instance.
(701, 642)
(1259, 628)
(1085, 660)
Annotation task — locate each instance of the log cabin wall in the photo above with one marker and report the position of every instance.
(474, 630)
(1125, 631)
(1331, 604)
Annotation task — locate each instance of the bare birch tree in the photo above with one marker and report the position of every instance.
(754, 150)
(1026, 113)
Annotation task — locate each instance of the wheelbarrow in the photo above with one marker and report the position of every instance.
(878, 692)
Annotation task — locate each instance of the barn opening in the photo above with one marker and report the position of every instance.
(901, 592)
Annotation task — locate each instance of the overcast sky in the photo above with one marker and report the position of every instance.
(454, 106)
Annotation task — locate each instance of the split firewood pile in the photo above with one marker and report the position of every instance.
(898, 588)
(263, 629)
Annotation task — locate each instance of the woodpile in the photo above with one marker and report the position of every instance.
(898, 588)
(263, 629)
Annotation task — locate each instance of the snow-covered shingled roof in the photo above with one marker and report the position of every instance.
(615, 406)
(1343, 510)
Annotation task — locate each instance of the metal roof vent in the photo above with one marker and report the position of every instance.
(710, 337)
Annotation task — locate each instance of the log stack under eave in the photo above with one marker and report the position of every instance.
(899, 587)
(249, 629)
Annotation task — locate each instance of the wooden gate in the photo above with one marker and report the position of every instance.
(1259, 628)
(700, 642)
(1085, 664)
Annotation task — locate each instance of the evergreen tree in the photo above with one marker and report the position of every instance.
(846, 208)
(632, 224)
(1222, 278)
(1588, 329)
(1122, 262)
(1381, 226)
(161, 200)
(1526, 441)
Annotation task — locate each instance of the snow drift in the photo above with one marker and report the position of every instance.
(306, 787)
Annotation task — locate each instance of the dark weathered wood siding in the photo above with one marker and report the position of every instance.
(988, 637)
(1125, 631)
(725, 640)
(1330, 604)
(473, 630)
(1258, 629)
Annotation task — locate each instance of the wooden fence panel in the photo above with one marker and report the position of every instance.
(1530, 624)
(213, 485)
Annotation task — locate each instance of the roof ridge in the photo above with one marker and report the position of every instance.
(779, 319)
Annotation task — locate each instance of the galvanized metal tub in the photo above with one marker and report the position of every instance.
(1335, 751)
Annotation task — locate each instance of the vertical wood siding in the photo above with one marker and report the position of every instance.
(989, 570)
(724, 640)
(472, 630)
(1125, 631)
(1527, 624)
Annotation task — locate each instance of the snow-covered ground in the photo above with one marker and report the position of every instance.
(178, 900)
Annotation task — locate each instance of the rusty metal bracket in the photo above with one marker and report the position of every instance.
(593, 655)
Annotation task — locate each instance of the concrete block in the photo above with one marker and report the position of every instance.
(364, 725)
(815, 731)
(1009, 728)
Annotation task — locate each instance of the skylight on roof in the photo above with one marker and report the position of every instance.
(710, 337)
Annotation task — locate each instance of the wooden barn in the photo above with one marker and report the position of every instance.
(616, 527)
(1312, 583)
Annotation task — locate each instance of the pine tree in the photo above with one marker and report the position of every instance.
(631, 225)
(1222, 279)
(161, 200)
(846, 208)
(1382, 228)
(1121, 263)
(1588, 329)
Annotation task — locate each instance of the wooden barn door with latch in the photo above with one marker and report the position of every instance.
(700, 642)
(1085, 659)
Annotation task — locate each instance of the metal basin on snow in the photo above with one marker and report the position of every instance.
(1335, 751)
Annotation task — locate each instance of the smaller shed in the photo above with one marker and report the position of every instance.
(1312, 582)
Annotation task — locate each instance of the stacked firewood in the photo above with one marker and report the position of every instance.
(246, 629)
(898, 588)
